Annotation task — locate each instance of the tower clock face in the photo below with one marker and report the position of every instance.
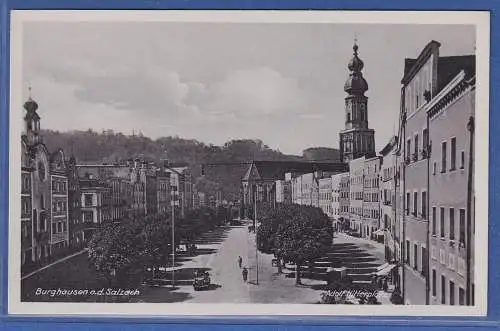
(41, 170)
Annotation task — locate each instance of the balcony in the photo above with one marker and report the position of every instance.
(424, 153)
(414, 157)
(407, 160)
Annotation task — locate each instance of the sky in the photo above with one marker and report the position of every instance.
(281, 83)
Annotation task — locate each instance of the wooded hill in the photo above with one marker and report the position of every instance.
(110, 147)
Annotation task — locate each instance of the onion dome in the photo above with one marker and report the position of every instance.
(30, 105)
(355, 83)
(355, 64)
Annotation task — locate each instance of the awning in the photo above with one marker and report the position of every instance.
(386, 270)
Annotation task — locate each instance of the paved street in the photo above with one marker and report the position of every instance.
(229, 287)
(218, 252)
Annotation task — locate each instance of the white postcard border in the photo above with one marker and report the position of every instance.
(480, 19)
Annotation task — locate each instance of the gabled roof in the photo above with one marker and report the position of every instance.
(389, 146)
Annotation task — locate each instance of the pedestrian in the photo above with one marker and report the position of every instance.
(244, 273)
(240, 261)
(385, 285)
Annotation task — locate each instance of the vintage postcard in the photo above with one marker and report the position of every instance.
(167, 163)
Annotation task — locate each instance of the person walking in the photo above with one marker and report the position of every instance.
(244, 273)
(240, 261)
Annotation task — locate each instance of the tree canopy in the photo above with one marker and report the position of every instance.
(295, 233)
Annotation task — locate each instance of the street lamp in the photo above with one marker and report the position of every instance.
(173, 241)
(255, 231)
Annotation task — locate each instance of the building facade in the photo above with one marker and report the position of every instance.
(59, 213)
(27, 240)
(356, 195)
(75, 223)
(371, 205)
(96, 201)
(326, 196)
(425, 82)
(335, 200)
(44, 195)
(451, 192)
(344, 201)
(388, 196)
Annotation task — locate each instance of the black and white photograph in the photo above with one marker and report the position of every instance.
(249, 162)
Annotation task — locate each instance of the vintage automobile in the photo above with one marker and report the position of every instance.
(201, 280)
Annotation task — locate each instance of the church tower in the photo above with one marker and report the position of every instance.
(32, 122)
(356, 140)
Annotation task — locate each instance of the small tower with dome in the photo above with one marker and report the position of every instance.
(357, 139)
(31, 121)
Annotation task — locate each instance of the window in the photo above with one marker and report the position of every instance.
(425, 140)
(434, 168)
(434, 280)
(415, 257)
(443, 156)
(443, 290)
(452, 293)
(434, 221)
(407, 207)
(415, 203)
(442, 222)
(424, 259)
(54, 229)
(461, 296)
(43, 223)
(453, 157)
(407, 251)
(416, 147)
(88, 216)
(462, 159)
(424, 205)
(88, 199)
(462, 226)
(452, 223)
(408, 148)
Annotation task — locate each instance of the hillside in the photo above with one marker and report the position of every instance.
(109, 147)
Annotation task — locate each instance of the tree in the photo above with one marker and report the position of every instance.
(304, 236)
(156, 241)
(115, 248)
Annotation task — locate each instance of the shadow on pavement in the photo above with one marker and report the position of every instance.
(211, 287)
(161, 295)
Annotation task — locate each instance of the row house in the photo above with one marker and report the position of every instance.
(325, 189)
(356, 195)
(390, 208)
(259, 182)
(451, 131)
(371, 206)
(388, 204)
(96, 198)
(76, 226)
(335, 200)
(437, 97)
(59, 215)
(344, 200)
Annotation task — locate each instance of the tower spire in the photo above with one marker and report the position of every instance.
(357, 139)
(355, 46)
